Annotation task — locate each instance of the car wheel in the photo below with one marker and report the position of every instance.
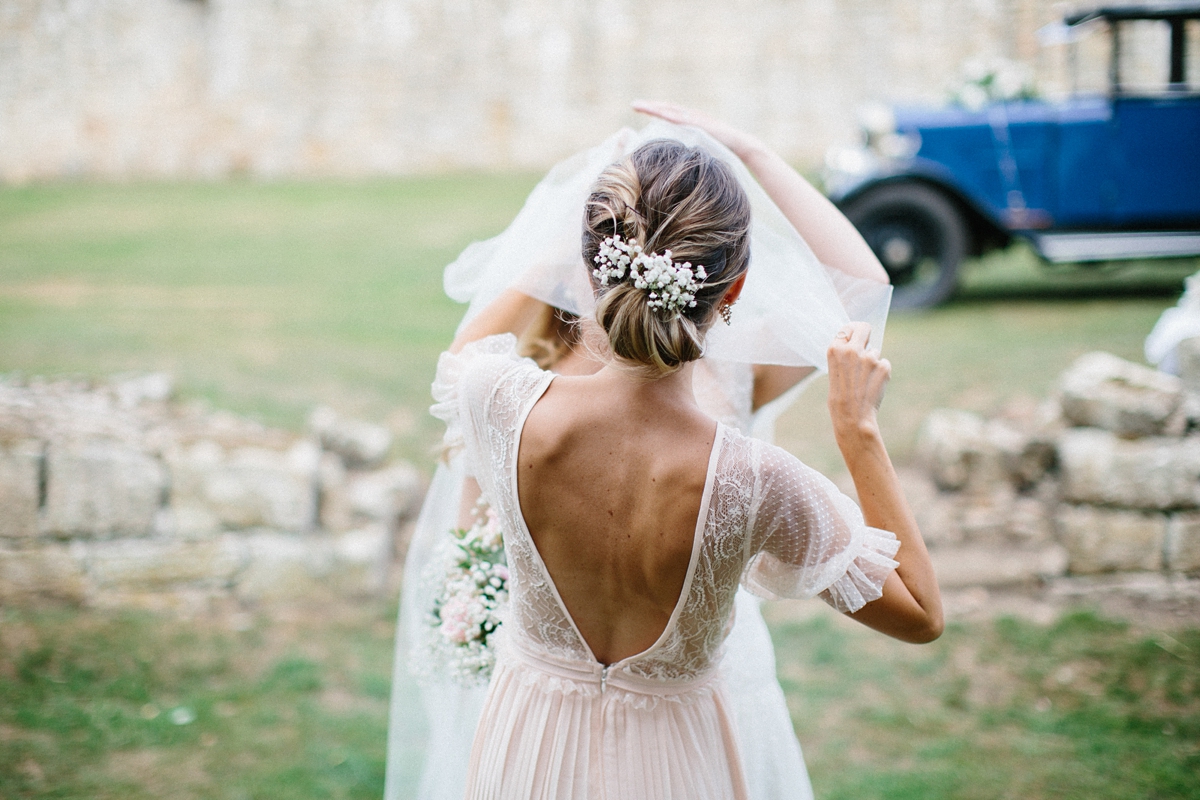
(918, 235)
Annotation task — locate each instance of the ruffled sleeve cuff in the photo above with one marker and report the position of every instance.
(447, 388)
(863, 579)
(848, 583)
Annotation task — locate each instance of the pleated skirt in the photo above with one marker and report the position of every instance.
(558, 730)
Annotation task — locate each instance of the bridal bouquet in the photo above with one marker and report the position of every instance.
(466, 612)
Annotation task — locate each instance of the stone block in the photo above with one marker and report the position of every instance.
(100, 487)
(1188, 355)
(246, 487)
(962, 451)
(51, 571)
(1182, 549)
(132, 391)
(980, 565)
(984, 516)
(1131, 400)
(20, 487)
(1031, 520)
(187, 521)
(361, 559)
(1110, 540)
(157, 564)
(335, 511)
(937, 512)
(283, 567)
(359, 444)
(385, 495)
(352, 499)
(1032, 461)
(952, 446)
(1151, 473)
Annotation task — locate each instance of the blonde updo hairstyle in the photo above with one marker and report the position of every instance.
(667, 196)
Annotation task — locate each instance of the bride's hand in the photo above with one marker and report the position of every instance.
(857, 379)
(737, 140)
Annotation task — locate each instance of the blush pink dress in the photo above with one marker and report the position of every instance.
(559, 725)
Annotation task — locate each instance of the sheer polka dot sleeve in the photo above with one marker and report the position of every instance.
(807, 538)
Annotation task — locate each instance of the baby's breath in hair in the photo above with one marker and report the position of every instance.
(671, 287)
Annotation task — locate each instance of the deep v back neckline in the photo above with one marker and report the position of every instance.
(697, 533)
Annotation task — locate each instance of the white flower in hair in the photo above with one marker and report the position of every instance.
(672, 287)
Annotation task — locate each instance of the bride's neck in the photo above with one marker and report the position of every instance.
(670, 390)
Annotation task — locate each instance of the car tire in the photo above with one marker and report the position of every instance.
(919, 236)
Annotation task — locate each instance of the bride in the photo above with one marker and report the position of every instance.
(770, 753)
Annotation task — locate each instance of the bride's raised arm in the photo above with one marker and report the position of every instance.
(911, 606)
(834, 240)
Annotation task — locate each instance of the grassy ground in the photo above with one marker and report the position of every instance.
(96, 705)
(268, 299)
(1083, 708)
(106, 705)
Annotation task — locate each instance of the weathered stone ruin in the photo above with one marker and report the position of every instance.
(1102, 477)
(115, 495)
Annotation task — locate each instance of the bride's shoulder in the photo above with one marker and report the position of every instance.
(770, 462)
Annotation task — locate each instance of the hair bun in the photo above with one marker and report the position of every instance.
(666, 198)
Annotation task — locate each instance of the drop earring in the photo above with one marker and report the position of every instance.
(726, 312)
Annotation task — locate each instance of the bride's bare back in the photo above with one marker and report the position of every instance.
(611, 478)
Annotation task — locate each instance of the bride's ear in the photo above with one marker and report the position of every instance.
(734, 291)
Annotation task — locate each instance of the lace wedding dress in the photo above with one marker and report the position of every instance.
(790, 310)
(556, 723)
(434, 717)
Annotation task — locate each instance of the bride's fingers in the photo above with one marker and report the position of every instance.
(736, 140)
(854, 335)
(858, 376)
(883, 376)
(668, 111)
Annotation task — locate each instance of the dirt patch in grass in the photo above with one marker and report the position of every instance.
(160, 773)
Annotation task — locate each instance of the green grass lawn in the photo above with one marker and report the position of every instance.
(111, 705)
(270, 298)
(1084, 708)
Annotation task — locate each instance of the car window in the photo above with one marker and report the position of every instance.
(1145, 56)
(1089, 61)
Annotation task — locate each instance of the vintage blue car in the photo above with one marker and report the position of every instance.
(1096, 177)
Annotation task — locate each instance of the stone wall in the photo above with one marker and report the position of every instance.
(185, 88)
(113, 495)
(1102, 477)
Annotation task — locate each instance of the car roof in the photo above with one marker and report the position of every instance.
(1177, 10)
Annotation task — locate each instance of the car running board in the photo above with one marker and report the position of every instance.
(1067, 247)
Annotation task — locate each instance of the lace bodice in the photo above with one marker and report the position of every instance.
(770, 522)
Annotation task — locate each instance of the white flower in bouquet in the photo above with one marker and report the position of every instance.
(467, 608)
